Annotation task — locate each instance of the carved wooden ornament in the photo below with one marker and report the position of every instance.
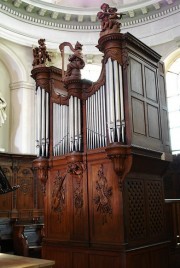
(122, 161)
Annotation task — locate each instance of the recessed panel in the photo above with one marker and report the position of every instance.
(136, 76)
(153, 121)
(150, 79)
(138, 116)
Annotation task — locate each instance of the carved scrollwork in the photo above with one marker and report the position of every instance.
(125, 58)
(114, 54)
(76, 169)
(103, 197)
(122, 161)
(58, 195)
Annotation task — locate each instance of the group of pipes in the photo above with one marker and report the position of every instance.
(105, 122)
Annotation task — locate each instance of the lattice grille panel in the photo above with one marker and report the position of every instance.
(136, 209)
(155, 207)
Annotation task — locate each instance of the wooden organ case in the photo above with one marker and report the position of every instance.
(102, 150)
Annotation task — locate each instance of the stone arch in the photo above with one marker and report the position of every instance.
(170, 59)
(13, 64)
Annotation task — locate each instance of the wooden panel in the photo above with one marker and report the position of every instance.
(103, 261)
(153, 257)
(140, 260)
(153, 121)
(144, 210)
(25, 193)
(79, 259)
(136, 76)
(138, 114)
(162, 90)
(155, 208)
(135, 210)
(5, 200)
(160, 258)
(62, 258)
(166, 128)
(105, 203)
(150, 81)
(58, 213)
(26, 203)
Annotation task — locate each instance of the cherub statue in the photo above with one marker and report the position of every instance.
(109, 19)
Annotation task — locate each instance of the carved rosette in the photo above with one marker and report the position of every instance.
(76, 167)
(58, 195)
(103, 197)
(40, 166)
(121, 157)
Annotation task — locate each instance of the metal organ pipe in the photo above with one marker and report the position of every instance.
(96, 120)
(115, 102)
(42, 122)
(60, 129)
(75, 134)
(122, 104)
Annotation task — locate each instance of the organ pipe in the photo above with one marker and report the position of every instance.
(75, 124)
(96, 119)
(42, 125)
(114, 102)
(60, 129)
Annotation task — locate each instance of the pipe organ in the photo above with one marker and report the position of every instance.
(102, 150)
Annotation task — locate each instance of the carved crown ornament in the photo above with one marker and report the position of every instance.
(121, 157)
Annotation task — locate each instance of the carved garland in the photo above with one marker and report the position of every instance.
(58, 195)
(103, 197)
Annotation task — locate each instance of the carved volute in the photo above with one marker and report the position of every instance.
(121, 157)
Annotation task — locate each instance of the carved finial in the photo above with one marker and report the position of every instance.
(109, 19)
(40, 54)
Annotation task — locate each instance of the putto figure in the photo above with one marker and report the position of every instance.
(76, 62)
(109, 19)
(40, 54)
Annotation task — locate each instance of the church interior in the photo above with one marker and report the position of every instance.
(89, 133)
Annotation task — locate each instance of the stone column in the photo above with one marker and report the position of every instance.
(22, 126)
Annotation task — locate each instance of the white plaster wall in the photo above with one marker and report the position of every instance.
(17, 60)
(5, 92)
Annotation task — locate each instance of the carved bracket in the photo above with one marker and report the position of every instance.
(40, 166)
(121, 157)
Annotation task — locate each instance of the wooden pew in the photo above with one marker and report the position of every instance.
(27, 239)
(6, 240)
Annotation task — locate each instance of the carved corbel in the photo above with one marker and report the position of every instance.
(40, 166)
(121, 157)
